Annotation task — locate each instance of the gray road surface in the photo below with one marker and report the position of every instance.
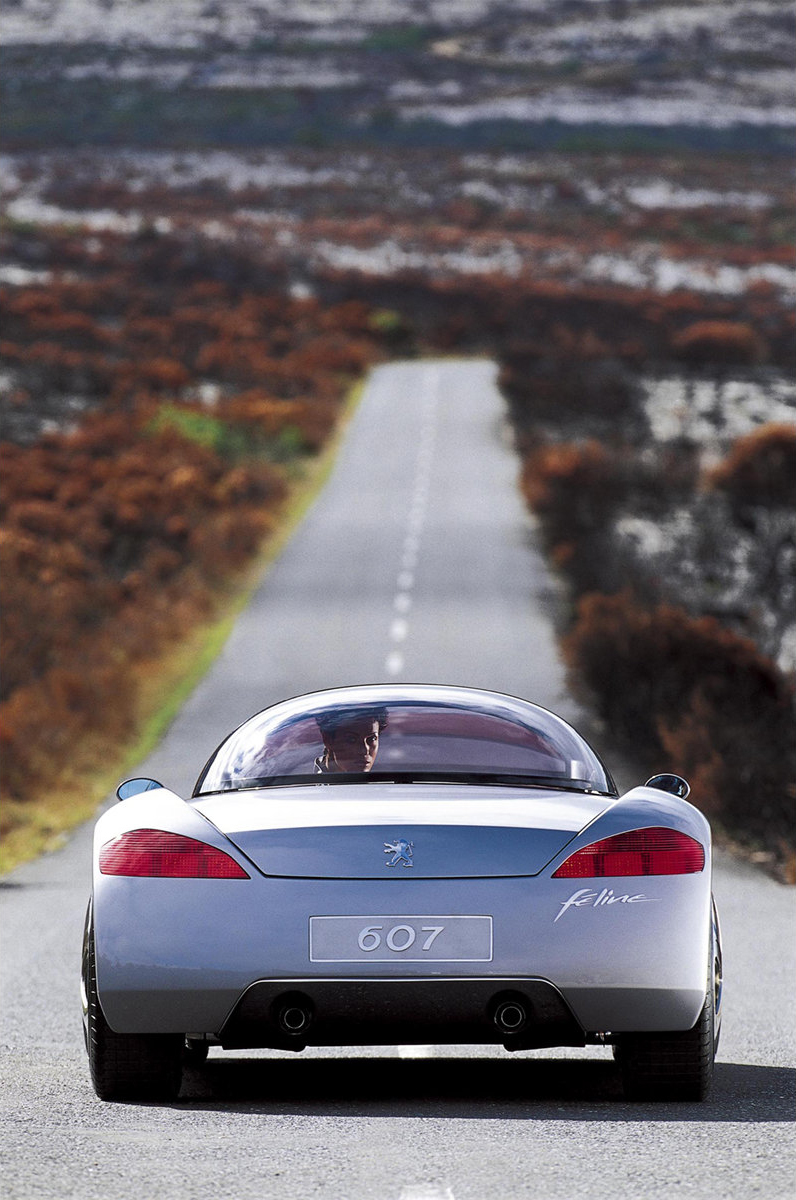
(416, 563)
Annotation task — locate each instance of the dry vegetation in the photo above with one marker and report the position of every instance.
(217, 216)
(125, 515)
(685, 647)
(160, 389)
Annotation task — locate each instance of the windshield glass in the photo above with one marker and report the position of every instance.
(385, 738)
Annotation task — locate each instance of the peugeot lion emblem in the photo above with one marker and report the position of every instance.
(401, 852)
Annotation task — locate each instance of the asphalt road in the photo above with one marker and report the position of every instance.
(416, 563)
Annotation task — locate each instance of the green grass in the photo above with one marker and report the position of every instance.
(200, 428)
(227, 440)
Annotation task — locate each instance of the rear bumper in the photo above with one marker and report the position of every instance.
(519, 1014)
(184, 956)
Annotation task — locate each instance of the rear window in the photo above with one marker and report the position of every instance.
(399, 741)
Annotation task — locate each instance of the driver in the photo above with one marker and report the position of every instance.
(350, 740)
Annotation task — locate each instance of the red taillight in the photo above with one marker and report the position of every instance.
(155, 853)
(642, 852)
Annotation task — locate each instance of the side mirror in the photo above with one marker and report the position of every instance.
(675, 784)
(132, 787)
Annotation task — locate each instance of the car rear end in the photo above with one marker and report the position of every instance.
(416, 913)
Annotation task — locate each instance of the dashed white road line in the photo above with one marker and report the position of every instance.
(399, 629)
(416, 518)
(415, 1051)
(426, 1191)
(411, 547)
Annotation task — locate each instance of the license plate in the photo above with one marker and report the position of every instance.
(400, 939)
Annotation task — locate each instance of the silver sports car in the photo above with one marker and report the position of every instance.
(402, 864)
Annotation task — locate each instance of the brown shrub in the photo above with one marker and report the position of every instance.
(153, 518)
(576, 489)
(698, 698)
(568, 379)
(760, 468)
(119, 535)
(570, 484)
(731, 343)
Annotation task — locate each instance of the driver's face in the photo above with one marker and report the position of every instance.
(354, 745)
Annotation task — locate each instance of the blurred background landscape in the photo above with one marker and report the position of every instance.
(218, 216)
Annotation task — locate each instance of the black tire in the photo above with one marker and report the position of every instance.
(127, 1066)
(677, 1065)
(669, 1066)
(717, 977)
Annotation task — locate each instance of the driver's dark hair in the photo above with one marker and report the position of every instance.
(330, 722)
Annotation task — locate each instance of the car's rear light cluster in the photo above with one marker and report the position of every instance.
(157, 854)
(654, 851)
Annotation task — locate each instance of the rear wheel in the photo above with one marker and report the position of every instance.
(677, 1065)
(127, 1066)
(669, 1066)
